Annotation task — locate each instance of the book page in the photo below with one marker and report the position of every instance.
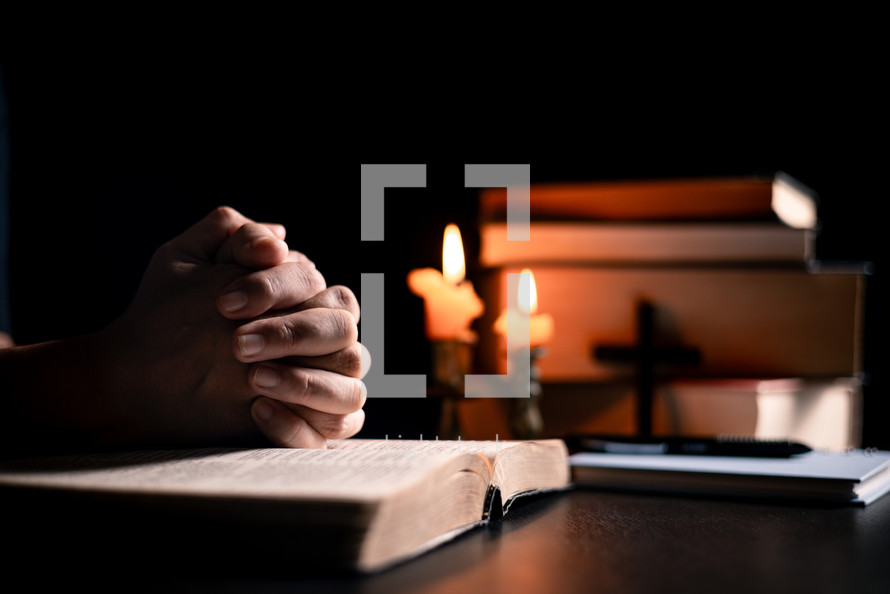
(361, 471)
(854, 465)
(516, 466)
(414, 448)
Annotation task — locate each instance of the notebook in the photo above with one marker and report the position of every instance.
(856, 477)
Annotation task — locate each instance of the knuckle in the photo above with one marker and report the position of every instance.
(226, 217)
(345, 298)
(318, 281)
(252, 230)
(333, 392)
(295, 282)
(335, 427)
(266, 285)
(288, 333)
(311, 279)
(344, 325)
(350, 361)
(357, 396)
(260, 286)
(301, 386)
(223, 214)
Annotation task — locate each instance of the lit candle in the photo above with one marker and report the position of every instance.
(541, 325)
(450, 303)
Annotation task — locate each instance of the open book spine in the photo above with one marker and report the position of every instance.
(492, 509)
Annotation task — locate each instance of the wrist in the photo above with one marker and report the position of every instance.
(52, 399)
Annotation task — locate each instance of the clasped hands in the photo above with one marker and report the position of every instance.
(279, 343)
(231, 339)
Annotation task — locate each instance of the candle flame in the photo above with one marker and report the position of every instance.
(453, 266)
(527, 300)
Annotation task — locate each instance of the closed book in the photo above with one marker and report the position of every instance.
(742, 322)
(824, 413)
(855, 477)
(627, 243)
(775, 197)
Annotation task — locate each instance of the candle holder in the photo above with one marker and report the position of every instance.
(526, 420)
(451, 362)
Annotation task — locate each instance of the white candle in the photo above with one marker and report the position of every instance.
(450, 303)
(541, 325)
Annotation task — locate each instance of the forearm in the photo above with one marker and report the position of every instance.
(53, 397)
(172, 371)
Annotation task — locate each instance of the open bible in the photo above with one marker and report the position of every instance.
(363, 504)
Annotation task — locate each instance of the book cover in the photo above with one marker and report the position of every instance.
(824, 414)
(856, 477)
(743, 322)
(616, 243)
(778, 197)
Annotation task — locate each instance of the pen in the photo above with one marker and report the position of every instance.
(715, 446)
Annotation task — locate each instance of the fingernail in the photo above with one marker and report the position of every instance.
(364, 391)
(262, 409)
(250, 344)
(273, 243)
(266, 377)
(366, 361)
(232, 302)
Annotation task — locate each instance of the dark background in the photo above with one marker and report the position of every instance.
(114, 153)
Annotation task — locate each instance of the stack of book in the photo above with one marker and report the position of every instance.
(727, 268)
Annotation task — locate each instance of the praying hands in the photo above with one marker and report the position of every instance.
(231, 339)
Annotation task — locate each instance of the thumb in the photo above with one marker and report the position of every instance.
(254, 246)
(203, 240)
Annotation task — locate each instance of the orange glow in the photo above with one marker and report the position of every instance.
(450, 302)
(453, 266)
(527, 289)
(526, 312)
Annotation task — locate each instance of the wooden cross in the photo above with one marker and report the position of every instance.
(645, 355)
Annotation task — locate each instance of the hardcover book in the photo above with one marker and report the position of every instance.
(856, 477)
(586, 242)
(360, 504)
(743, 321)
(754, 198)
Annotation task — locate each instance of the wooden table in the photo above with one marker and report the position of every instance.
(577, 541)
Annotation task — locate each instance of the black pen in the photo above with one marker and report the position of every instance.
(714, 446)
